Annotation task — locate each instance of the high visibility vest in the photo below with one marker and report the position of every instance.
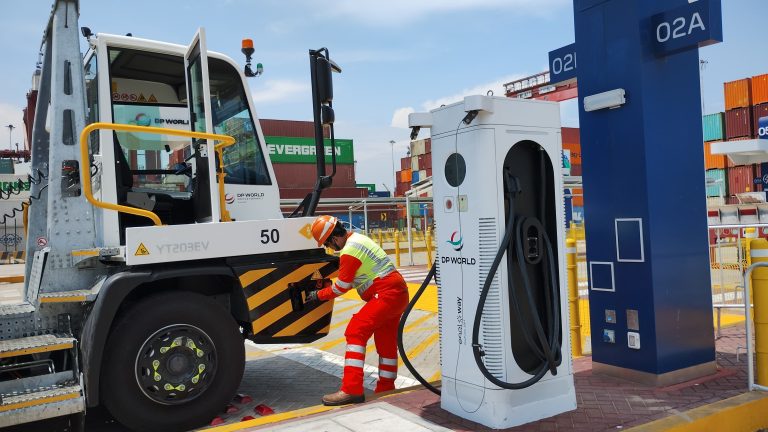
(375, 262)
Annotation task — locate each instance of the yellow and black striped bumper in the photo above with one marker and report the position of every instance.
(269, 303)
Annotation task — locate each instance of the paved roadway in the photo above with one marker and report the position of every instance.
(294, 376)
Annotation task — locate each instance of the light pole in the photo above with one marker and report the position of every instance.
(392, 158)
(10, 139)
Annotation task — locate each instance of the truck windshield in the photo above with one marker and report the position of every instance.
(148, 89)
(244, 161)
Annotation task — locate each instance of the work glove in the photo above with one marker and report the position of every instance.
(311, 297)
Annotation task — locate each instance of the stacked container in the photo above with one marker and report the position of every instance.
(421, 159)
(760, 101)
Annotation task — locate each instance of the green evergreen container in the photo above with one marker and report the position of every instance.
(714, 127)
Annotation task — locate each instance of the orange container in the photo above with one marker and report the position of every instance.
(713, 161)
(578, 197)
(760, 89)
(738, 94)
(405, 175)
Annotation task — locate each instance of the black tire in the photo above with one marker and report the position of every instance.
(123, 388)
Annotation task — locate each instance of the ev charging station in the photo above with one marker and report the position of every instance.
(505, 350)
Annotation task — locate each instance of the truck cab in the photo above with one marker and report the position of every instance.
(142, 82)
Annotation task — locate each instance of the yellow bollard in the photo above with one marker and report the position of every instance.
(397, 249)
(573, 297)
(428, 243)
(759, 289)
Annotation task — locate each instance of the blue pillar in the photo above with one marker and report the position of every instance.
(645, 209)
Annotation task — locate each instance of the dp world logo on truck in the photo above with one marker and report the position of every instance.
(456, 244)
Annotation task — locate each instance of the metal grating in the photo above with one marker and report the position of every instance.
(492, 325)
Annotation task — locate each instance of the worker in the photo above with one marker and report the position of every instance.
(365, 266)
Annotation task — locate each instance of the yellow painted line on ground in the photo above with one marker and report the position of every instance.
(435, 377)
(273, 418)
(743, 413)
(427, 342)
(328, 345)
(340, 323)
(427, 302)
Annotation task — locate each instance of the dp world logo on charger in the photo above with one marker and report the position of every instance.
(456, 244)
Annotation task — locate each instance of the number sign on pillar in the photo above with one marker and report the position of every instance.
(562, 64)
(690, 26)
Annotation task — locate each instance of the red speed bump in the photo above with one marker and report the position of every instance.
(231, 409)
(263, 410)
(246, 418)
(242, 399)
(217, 421)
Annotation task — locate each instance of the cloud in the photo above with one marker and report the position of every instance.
(401, 12)
(496, 86)
(400, 117)
(279, 90)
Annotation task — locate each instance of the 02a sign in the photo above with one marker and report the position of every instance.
(562, 64)
(691, 26)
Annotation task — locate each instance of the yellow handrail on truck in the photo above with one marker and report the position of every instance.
(224, 141)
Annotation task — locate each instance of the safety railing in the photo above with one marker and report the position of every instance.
(224, 141)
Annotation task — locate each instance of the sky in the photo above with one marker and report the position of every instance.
(397, 56)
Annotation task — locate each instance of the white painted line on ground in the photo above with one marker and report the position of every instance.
(329, 363)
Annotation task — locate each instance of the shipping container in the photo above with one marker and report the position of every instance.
(423, 162)
(405, 176)
(414, 176)
(427, 161)
(290, 128)
(740, 179)
(738, 123)
(716, 183)
(738, 94)
(578, 197)
(760, 89)
(759, 111)
(713, 161)
(428, 145)
(714, 127)
(731, 200)
(422, 174)
(429, 172)
(296, 176)
(715, 201)
(570, 136)
(418, 147)
(576, 170)
(415, 163)
(405, 163)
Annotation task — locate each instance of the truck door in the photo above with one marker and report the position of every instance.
(199, 101)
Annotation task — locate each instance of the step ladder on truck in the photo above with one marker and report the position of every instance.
(155, 236)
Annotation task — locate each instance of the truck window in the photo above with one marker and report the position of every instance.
(244, 161)
(145, 92)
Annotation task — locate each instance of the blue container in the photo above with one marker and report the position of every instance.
(714, 127)
(716, 183)
(415, 177)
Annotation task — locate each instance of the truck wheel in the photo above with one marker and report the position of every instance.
(172, 362)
